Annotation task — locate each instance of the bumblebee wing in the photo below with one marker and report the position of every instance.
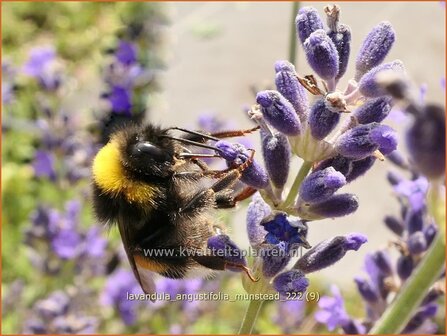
(144, 276)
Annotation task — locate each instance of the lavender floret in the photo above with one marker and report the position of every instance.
(322, 120)
(322, 55)
(307, 21)
(374, 49)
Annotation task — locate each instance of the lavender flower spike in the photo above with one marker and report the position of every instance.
(307, 21)
(328, 252)
(368, 85)
(361, 141)
(374, 49)
(373, 110)
(279, 112)
(288, 85)
(321, 185)
(292, 281)
(276, 153)
(322, 120)
(322, 55)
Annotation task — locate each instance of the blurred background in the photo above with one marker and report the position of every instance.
(67, 67)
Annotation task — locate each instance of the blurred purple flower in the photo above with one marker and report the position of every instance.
(126, 53)
(332, 311)
(39, 59)
(415, 191)
(44, 164)
(118, 285)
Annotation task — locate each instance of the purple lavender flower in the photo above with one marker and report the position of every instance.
(282, 228)
(118, 285)
(322, 120)
(374, 49)
(366, 290)
(288, 85)
(279, 112)
(321, 185)
(126, 53)
(368, 85)
(292, 281)
(39, 59)
(332, 311)
(56, 315)
(307, 21)
(43, 164)
(66, 243)
(329, 252)
(322, 55)
(120, 100)
(361, 141)
(41, 66)
(417, 243)
(276, 153)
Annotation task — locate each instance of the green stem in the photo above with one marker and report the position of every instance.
(250, 317)
(304, 170)
(428, 271)
(292, 37)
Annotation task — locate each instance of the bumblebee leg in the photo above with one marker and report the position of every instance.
(207, 196)
(225, 199)
(219, 264)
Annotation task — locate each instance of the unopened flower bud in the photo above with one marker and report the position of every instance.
(322, 120)
(321, 185)
(360, 167)
(292, 281)
(383, 262)
(414, 220)
(276, 153)
(370, 87)
(328, 252)
(366, 290)
(374, 49)
(322, 55)
(336, 206)
(307, 21)
(405, 266)
(394, 225)
(275, 259)
(288, 85)
(361, 141)
(279, 112)
(420, 317)
(342, 42)
(373, 110)
(430, 232)
(417, 243)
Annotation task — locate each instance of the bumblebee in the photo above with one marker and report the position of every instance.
(162, 197)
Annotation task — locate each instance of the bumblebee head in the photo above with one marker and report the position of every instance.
(144, 151)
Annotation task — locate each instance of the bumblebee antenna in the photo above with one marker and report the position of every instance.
(203, 135)
(193, 143)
